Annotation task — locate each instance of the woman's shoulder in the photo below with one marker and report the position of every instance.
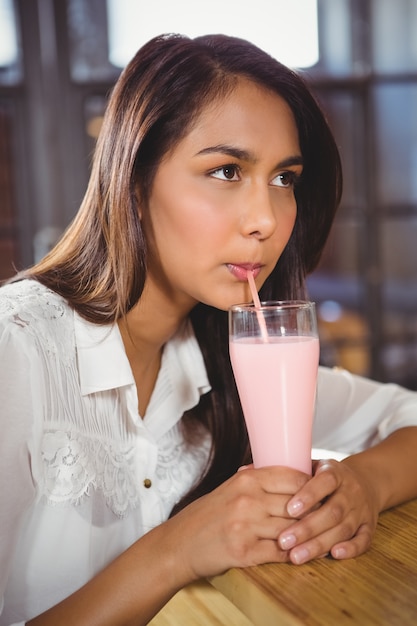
(27, 303)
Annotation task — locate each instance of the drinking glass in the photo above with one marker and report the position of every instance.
(274, 351)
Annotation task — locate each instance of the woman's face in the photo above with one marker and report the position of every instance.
(222, 202)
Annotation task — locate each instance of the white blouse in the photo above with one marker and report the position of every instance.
(82, 475)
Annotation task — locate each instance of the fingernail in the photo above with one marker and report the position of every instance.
(300, 556)
(339, 553)
(294, 507)
(287, 541)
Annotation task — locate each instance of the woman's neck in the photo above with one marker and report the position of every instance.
(145, 330)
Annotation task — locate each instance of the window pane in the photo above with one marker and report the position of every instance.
(287, 30)
(336, 288)
(399, 299)
(396, 143)
(335, 34)
(345, 116)
(399, 355)
(399, 254)
(340, 259)
(394, 35)
(87, 32)
(104, 35)
(10, 59)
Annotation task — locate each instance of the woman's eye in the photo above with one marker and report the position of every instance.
(286, 179)
(226, 172)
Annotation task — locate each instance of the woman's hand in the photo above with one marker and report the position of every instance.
(237, 524)
(337, 511)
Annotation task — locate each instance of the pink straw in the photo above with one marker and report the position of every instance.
(257, 304)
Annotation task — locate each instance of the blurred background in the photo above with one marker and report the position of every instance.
(60, 58)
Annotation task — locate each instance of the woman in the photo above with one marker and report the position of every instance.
(122, 429)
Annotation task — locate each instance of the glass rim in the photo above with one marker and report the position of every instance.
(268, 305)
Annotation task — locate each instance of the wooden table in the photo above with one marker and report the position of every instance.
(378, 588)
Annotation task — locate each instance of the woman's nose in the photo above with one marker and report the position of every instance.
(259, 215)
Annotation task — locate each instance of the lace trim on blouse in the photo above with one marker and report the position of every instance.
(75, 466)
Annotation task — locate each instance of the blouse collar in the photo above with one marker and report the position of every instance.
(103, 365)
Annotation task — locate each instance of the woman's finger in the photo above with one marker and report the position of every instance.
(359, 544)
(274, 480)
(326, 480)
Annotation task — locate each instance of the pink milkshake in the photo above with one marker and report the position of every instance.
(276, 375)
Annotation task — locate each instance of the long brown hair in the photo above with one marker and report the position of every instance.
(100, 263)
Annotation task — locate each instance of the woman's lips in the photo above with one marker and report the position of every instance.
(240, 270)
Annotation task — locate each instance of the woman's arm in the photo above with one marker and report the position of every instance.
(354, 413)
(390, 468)
(352, 494)
(131, 590)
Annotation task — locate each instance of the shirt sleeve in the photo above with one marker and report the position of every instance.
(353, 413)
(17, 489)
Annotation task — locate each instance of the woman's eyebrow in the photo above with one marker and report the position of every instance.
(297, 159)
(245, 155)
(232, 151)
